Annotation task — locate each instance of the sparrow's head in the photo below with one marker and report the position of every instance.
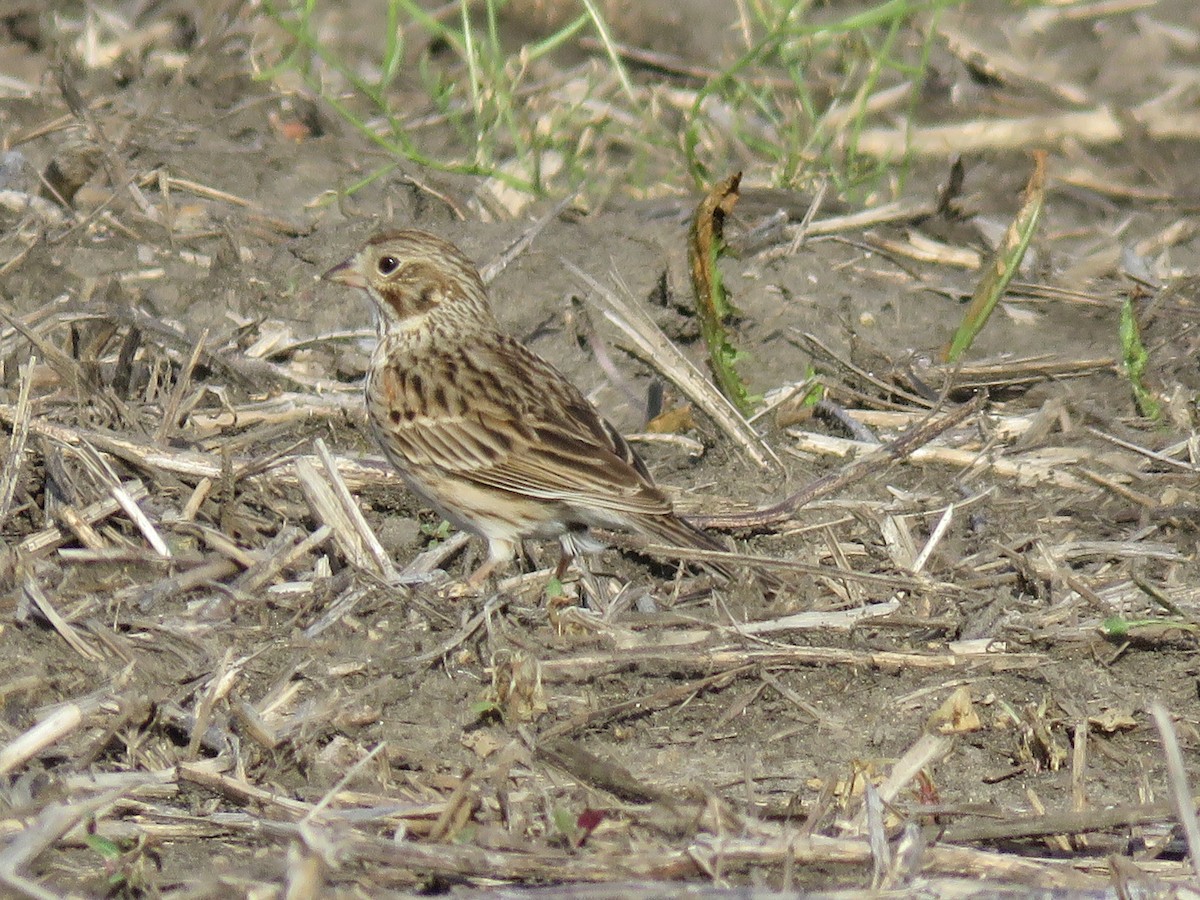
(412, 276)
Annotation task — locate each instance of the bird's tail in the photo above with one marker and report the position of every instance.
(681, 533)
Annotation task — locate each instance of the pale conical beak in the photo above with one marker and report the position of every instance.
(346, 272)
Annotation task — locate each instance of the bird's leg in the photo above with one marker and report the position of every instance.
(566, 557)
(576, 548)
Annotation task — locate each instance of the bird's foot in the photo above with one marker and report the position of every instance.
(462, 590)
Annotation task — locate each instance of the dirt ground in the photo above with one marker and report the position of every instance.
(978, 629)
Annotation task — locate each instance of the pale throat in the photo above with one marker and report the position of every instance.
(410, 331)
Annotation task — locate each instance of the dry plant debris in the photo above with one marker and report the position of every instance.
(228, 663)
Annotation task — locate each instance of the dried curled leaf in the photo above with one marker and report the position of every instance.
(712, 304)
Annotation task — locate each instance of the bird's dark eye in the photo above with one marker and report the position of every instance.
(387, 265)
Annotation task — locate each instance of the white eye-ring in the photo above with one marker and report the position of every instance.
(387, 265)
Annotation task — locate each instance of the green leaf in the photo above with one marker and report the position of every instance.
(104, 846)
(564, 821)
(1136, 359)
(486, 708)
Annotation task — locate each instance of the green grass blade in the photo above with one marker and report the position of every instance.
(1003, 265)
(1136, 359)
(610, 48)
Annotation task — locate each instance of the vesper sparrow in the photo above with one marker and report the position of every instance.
(487, 432)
